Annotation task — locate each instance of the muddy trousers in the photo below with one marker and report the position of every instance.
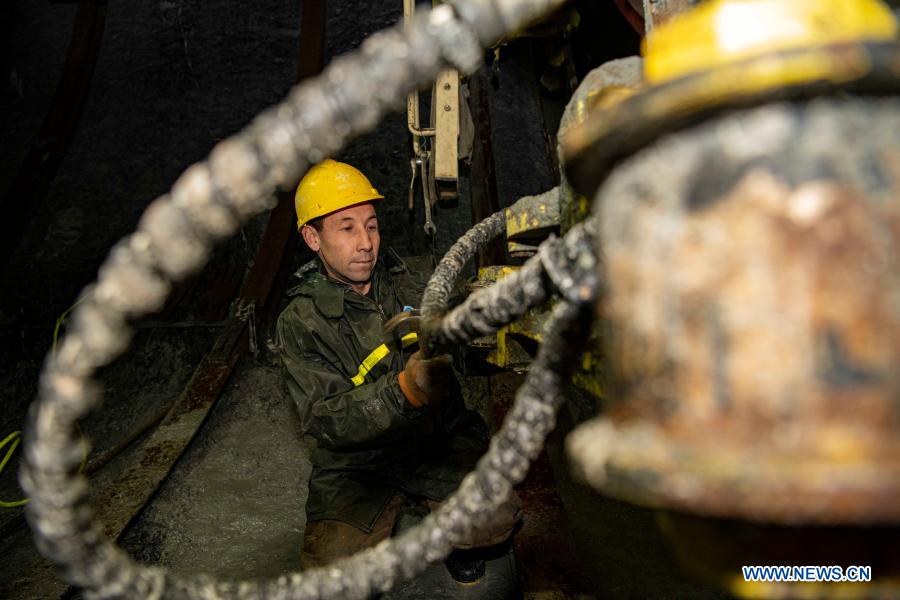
(328, 540)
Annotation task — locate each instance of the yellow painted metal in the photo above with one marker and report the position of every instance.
(523, 222)
(331, 186)
(591, 148)
(505, 351)
(493, 273)
(506, 347)
(588, 377)
(520, 250)
(723, 32)
(533, 216)
(612, 95)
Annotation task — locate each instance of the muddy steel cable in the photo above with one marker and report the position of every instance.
(446, 273)
(566, 266)
(173, 240)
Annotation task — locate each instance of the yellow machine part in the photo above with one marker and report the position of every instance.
(506, 353)
(723, 32)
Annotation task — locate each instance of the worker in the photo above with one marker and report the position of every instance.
(390, 426)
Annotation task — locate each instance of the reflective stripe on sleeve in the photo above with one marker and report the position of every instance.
(376, 355)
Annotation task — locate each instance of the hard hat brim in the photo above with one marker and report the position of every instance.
(314, 216)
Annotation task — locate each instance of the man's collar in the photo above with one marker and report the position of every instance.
(389, 259)
(329, 295)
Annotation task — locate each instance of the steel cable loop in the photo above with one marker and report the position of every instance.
(489, 309)
(175, 235)
(437, 292)
(570, 265)
(567, 266)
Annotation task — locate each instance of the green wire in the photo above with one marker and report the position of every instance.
(15, 436)
(59, 322)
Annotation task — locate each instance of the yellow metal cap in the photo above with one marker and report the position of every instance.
(331, 186)
(722, 32)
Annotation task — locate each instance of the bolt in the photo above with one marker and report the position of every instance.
(447, 107)
(446, 86)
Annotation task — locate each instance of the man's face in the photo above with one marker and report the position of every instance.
(347, 244)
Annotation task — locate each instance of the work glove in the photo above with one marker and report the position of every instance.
(426, 380)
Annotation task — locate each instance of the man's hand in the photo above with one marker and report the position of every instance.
(426, 380)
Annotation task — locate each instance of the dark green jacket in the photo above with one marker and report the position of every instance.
(371, 441)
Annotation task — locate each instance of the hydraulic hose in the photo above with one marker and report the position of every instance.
(174, 238)
(565, 266)
(446, 273)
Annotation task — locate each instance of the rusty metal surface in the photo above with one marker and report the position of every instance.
(753, 318)
(545, 549)
(591, 149)
(485, 198)
(604, 85)
(31, 184)
(633, 12)
(611, 75)
(657, 12)
(609, 78)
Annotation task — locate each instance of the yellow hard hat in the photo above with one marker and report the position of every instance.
(723, 32)
(331, 186)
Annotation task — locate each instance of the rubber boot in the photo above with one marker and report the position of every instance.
(465, 567)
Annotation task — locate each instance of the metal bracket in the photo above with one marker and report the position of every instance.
(445, 114)
(438, 158)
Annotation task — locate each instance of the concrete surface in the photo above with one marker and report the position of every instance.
(234, 506)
